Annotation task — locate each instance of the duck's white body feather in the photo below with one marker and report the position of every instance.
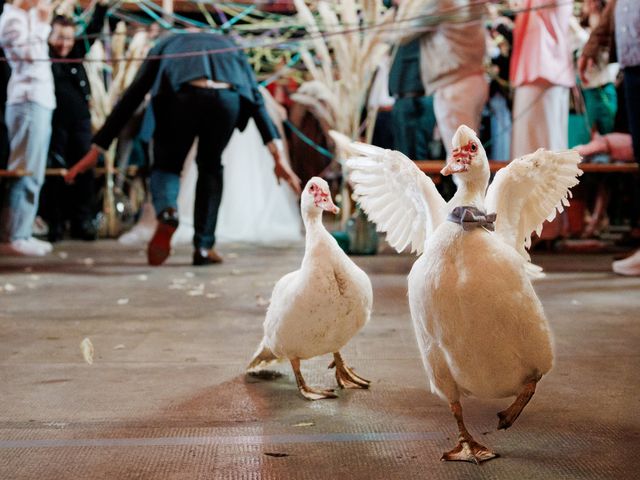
(319, 308)
(479, 324)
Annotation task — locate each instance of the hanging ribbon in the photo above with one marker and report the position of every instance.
(318, 148)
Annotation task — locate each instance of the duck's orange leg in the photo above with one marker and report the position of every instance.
(508, 416)
(308, 392)
(467, 449)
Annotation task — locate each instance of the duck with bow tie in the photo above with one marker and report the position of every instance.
(480, 326)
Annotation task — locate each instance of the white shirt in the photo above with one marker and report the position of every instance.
(24, 39)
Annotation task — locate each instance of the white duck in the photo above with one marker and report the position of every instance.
(319, 308)
(479, 324)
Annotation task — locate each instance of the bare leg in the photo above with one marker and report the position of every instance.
(308, 392)
(508, 416)
(467, 450)
(346, 377)
(598, 216)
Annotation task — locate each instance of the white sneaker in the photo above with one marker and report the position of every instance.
(22, 247)
(629, 266)
(46, 246)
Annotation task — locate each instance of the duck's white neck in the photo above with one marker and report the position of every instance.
(314, 227)
(471, 191)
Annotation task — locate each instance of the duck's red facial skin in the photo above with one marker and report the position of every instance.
(319, 196)
(322, 199)
(465, 153)
(461, 158)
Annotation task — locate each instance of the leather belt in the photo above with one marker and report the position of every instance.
(409, 94)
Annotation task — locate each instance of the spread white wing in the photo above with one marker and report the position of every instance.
(528, 191)
(394, 193)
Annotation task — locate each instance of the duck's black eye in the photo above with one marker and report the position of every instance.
(474, 147)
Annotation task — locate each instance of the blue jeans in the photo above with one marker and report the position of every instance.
(500, 128)
(29, 127)
(413, 123)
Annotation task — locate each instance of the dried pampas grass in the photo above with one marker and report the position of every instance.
(346, 59)
(105, 93)
(345, 63)
(128, 67)
(360, 35)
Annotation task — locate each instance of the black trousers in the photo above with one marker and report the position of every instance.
(210, 115)
(70, 141)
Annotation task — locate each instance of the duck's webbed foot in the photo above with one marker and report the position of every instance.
(508, 416)
(311, 393)
(467, 449)
(308, 392)
(345, 376)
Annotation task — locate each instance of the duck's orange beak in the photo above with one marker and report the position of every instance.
(455, 166)
(458, 163)
(325, 202)
(329, 206)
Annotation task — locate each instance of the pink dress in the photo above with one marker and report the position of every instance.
(541, 51)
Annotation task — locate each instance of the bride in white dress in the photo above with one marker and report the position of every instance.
(254, 208)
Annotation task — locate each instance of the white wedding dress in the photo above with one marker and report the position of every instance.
(254, 208)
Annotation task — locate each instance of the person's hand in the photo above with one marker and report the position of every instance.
(282, 170)
(43, 10)
(71, 174)
(285, 173)
(86, 162)
(585, 63)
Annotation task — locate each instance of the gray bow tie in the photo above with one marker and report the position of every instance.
(470, 217)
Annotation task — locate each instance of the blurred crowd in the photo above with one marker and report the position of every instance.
(538, 74)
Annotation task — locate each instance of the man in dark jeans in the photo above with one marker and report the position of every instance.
(71, 130)
(202, 87)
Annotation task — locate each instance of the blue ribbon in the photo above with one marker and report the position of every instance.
(307, 140)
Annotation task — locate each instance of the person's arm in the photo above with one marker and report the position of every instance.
(282, 170)
(82, 45)
(85, 163)
(119, 116)
(97, 19)
(44, 11)
(600, 39)
(264, 123)
(268, 132)
(419, 23)
(131, 99)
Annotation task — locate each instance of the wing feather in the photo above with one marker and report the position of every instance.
(530, 190)
(400, 199)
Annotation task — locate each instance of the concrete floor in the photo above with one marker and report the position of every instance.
(167, 398)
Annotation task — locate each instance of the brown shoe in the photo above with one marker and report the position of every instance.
(202, 256)
(159, 247)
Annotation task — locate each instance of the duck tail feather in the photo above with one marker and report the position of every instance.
(263, 357)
